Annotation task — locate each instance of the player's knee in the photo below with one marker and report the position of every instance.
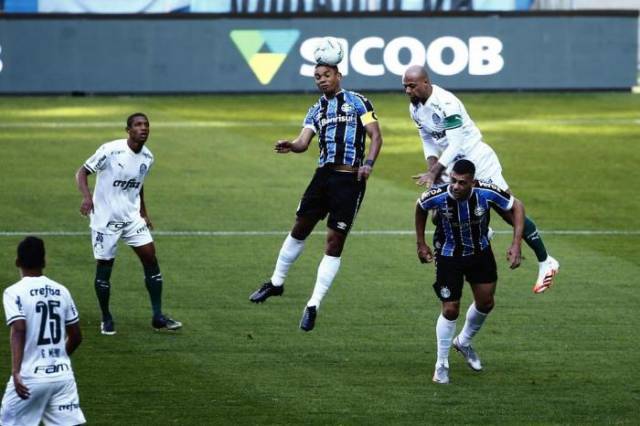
(485, 306)
(335, 244)
(451, 311)
(302, 228)
(150, 262)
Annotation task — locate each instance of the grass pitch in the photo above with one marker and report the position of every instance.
(568, 356)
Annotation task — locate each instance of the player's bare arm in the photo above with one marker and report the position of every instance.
(82, 181)
(74, 337)
(424, 251)
(298, 145)
(143, 209)
(514, 256)
(18, 336)
(373, 131)
(432, 176)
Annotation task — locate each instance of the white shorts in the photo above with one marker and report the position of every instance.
(105, 245)
(54, 403)
(488, 168)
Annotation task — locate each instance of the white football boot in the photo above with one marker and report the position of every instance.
(546, 273)
(469, 355)
(441, 374)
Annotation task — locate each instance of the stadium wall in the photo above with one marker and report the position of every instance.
(134, 54)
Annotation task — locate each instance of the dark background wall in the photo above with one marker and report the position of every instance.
(137, 54)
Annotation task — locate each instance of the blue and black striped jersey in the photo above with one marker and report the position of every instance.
(463, 224)
(339, 123)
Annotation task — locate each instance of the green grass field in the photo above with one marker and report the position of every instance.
(569, 356)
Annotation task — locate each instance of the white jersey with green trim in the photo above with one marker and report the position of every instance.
(120, 174)
(47, 307)
(441, 112)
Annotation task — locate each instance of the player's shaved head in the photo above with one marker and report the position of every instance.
(133, 117)
(416, 84)
(416, 73)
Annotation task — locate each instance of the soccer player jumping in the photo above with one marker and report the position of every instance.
(342, 120)
(448, 134)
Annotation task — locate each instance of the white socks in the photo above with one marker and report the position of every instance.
(327, 271)
(445, 330)
(472, 325)
(291, 249)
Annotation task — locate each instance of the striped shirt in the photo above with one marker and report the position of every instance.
(339, 123)
(463, 224)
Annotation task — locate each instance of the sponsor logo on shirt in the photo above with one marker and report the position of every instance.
(51, 369)
(100, 162)
(338, 119)
(69, 407)
(45, 291)
(438, 135)
(126, 184)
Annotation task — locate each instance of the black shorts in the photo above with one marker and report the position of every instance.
(336, 193)
(451, 272)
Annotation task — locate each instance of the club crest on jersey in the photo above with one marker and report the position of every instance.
(436, 118)
(347, 108)
(479, 211)
(143, 169)
(445, 292)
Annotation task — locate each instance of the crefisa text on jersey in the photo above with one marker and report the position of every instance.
(45, 291)
(126, 184)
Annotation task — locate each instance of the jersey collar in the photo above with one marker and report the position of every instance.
(334, 96)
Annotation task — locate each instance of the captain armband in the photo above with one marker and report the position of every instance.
(368, 117)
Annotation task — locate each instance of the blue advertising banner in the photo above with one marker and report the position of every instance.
(202, 55)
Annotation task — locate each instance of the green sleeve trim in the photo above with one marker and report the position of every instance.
(452, 122)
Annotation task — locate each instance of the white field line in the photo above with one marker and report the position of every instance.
(276, 122)
(585, 232)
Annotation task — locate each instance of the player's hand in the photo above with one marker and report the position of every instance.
(86, 207)
(364, 171)
(282, 147)
(21, 389)
(424, 179)
(424, 253)
(514, 256)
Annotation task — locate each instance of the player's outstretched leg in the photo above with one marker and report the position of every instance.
(102, 286)
(289, 252)
(548, 267)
